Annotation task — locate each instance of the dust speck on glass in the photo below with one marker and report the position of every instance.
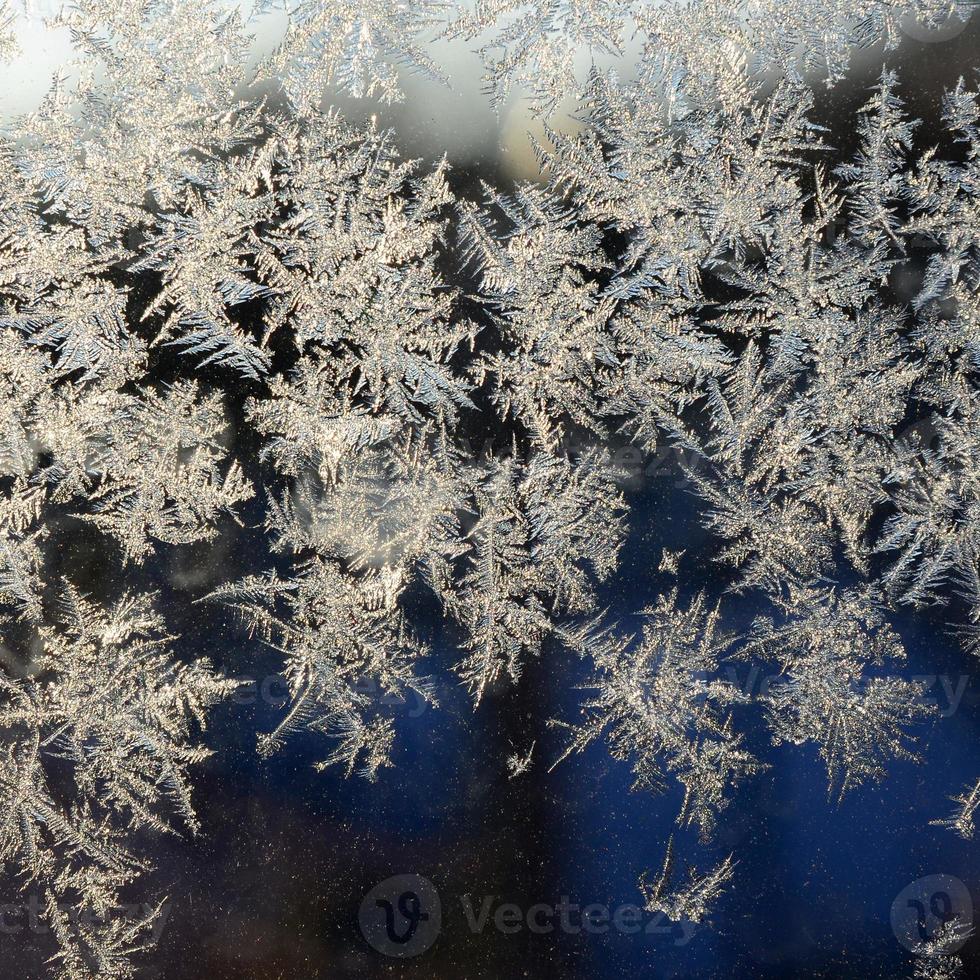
(489, 489)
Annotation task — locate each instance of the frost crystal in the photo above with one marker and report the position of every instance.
(692, 901)
(226, 313)
(962, 819)
(106, 699)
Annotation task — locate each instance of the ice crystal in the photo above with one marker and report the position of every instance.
(827, 644)
(935, 959)
(218, 296)
(107, 699)
(659, 706)
(962, 819)
(691, 901)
